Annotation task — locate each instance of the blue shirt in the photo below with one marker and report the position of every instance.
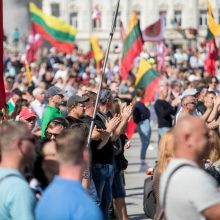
(66, 200)
(17, 201)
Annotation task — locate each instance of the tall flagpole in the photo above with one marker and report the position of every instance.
(103, 72)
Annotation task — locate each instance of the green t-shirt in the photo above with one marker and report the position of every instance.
(49, 113)
(11, 107)
(17, 201)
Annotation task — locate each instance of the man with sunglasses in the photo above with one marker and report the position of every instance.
(17, 200)
(55, 127)
(55, 97)
(76, 109)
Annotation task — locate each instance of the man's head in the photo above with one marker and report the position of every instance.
(76, 106)
(189, 101)
(17, 94)
(106, 98)
(176, 86)
(55, 127)
(191, 139)
(39, 94)
(55, 96)
(90, 104)
(114, 87)
(71, 147)
(163, 92)
(28, 116)
(17, 143)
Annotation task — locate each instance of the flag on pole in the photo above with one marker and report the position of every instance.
(2, 86)
(132, 46)
(155, 31)
(122, 32)
(34, 43)
(212, 32)
(60, 34)
(213, 26)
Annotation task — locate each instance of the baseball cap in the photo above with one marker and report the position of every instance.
(188, 92)
(76, 99)
(54, 90)
(106, 94)
(27, 113)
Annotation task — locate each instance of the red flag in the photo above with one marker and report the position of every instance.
(212, 56)
(2, 86)
(155, 31)
(34, 43)
(130, 129)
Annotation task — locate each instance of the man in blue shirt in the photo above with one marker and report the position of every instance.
(65, 198)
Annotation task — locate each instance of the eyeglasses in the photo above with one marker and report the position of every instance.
(49, 134)
(193, 103)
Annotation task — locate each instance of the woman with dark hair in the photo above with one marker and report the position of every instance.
(141, 116)
(19, 105)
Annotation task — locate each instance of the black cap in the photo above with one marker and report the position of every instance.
(76, 99)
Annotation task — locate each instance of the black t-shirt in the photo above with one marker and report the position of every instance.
(140, 113)
(104, 155)
(164, 112)
(73, 120)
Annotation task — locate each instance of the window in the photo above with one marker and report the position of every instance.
(177, 18)
(55, 9)
(74, 19)
(203, 18)
(164, 13)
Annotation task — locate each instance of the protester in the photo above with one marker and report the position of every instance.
(141, 115)
(38, 105)
(19, 106)
(66, 188)
(55, 97)
(17, 151)
(197, 192)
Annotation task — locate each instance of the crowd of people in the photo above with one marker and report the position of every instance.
(48, 172)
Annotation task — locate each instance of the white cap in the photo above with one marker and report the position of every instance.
(37, 91)
(188, 92)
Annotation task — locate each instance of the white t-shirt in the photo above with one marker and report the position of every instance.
(191, 191)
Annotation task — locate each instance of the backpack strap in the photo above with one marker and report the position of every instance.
(168, 181)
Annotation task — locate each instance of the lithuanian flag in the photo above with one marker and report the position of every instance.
(98, 55)
(60, 34)
(132, 45)
(213, 26)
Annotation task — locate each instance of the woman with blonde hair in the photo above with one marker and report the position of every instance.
(166, 153)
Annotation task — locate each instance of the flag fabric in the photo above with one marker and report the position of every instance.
(212, 56)
(155, 31)
(97, 53)
(60, 34)
(132, 46)
(2, 86)
(212, 32)
(131, 127)
(34, 43)
(213, 26)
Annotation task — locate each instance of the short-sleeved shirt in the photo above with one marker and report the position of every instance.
(190, 192)
(66, 200)
(17, 201)
(49, 113)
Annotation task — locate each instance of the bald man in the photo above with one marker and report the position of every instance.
(191, 192)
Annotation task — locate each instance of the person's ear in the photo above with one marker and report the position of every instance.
(86, 157)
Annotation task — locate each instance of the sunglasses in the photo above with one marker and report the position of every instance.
(49, 134)
(193, 103)
(32, 119)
